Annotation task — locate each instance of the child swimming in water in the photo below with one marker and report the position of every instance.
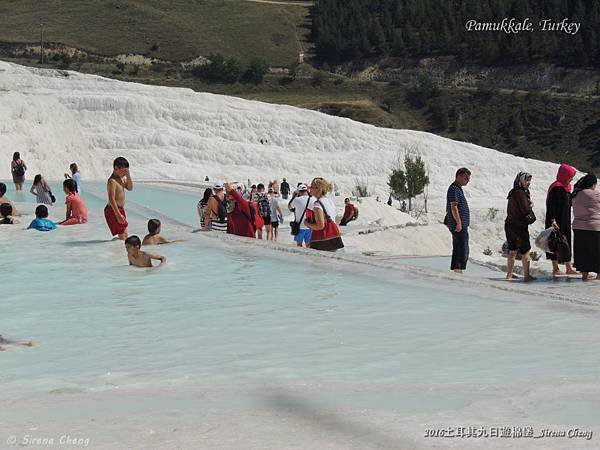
(139, 258)
(41, 221)
(153, 237)
(9, 342)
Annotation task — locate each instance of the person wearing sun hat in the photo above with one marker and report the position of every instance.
(558, 210)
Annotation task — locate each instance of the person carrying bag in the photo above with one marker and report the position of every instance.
(329, 238)
(295, 226)
(325, 233)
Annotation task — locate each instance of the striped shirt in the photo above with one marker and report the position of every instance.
(456, 195)
(42, 194)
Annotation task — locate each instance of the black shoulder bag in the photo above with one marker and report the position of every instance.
(295, 226)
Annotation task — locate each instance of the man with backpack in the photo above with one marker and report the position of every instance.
(240, 215)
(301, 202)
(264, 209)
(215, 217)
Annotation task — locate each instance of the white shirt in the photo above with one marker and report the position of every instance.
(327, 204)
(299, 203)
(77, 178)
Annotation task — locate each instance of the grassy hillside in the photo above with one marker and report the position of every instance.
(183, 29)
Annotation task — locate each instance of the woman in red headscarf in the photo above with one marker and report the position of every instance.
(558, 209)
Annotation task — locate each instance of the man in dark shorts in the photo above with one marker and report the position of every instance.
(114, 212)
(457, 220)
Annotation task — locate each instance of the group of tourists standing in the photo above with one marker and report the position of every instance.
(238, 210)
(570, 212)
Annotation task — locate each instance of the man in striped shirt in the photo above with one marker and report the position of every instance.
(457, 220)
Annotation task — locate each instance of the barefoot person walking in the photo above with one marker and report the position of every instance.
(114, 212)
(519, 215)
(558, 209)
(586, 227)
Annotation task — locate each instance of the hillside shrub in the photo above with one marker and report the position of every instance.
(219, 70)
(256, 71)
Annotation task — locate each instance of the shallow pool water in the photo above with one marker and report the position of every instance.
(222, 313)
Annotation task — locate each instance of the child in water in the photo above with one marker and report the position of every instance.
(9, 342)
(76, 210)
(3, 199)
(41, 221)
(153, 237)
(6, 211)
(139, 258)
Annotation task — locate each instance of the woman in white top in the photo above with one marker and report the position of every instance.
(41, 190)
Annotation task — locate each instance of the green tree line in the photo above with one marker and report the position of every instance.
(349, 29)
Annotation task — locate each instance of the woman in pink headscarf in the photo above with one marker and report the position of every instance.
(558, 208)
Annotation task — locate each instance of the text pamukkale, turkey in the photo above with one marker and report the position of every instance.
(516, 26)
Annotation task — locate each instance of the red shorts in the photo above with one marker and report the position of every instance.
(116, 228)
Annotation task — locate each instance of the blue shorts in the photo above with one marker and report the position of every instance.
(303, 235)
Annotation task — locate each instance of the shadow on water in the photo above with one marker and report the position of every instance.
(323, 421)
(86, 243)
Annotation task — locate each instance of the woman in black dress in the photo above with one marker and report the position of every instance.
(558, 209)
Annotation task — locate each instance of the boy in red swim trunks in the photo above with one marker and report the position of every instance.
(116, 185)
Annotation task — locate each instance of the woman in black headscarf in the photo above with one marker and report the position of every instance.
(519, 212)
(586, 226)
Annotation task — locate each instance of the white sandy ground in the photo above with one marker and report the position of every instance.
(293, 416)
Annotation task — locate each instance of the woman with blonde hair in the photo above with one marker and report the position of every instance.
(321, 218)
